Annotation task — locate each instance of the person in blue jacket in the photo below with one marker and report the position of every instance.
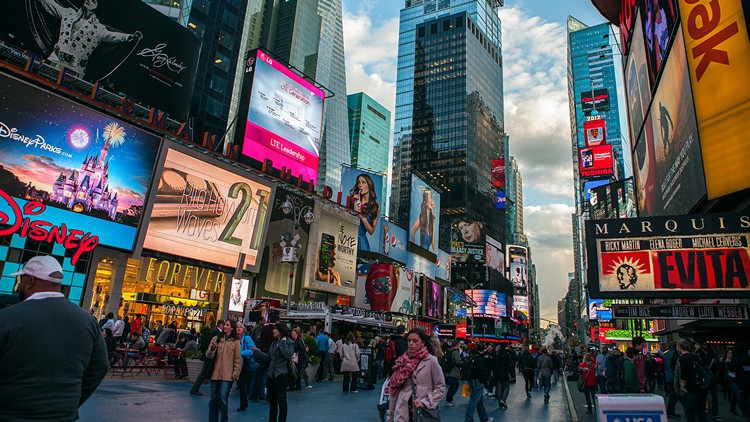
(249, 365)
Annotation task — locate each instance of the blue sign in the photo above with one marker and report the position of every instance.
(598, 312)
(443, 265)
(394, 241)
(632, 415)
(420, 265)
(500, 201)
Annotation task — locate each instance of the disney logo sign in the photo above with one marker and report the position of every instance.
(160, 59)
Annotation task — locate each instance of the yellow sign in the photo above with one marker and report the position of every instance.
(718, 53)
(181, 275)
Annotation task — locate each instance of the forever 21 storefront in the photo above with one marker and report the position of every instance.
(206, 221)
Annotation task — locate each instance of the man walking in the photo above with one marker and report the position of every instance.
(694, 398)
(601, 366)
(670, 363)
(453, 373)
(329, 357)
(37, 380)
(503, 368)
(322, 341)
(476, 378)
(544, 363)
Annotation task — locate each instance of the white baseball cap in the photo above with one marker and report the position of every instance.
(44, 268)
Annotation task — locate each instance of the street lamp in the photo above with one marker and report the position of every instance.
(472, 287)
(290, 252)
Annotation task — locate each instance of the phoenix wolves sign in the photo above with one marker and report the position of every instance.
(704, 255)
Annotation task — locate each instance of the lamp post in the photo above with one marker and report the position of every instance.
(290, 252)
(472, 287)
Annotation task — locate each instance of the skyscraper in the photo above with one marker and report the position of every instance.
(369, 130)
(309, 35)
(449, 121)
(514, 185)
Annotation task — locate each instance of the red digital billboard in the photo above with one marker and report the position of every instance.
(498, 173)
(594, 132)
(595, 161)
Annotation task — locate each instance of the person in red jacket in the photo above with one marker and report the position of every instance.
(588, 372)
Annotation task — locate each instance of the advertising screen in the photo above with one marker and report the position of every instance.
(384, 287)
(659, 19)
(518, 266)
(284, 118)
(598, 312)
(596, 161)
(89, 171)
(677, 155)
(588, 190)
(706, 255)
(597, 99)
(125, 45)
(206, 212)
(490, 303)
(332, 253)
(615, 200)
(394, 241)
(495, 258)
(434, 298)
(594, 132)
(637, 85)
(421, 265)
(282, 225)
(443, 265)
(644, 164)
(365, 194)
(467, 241)
(723, 146)
(500, 200)
(521, 305)
(238, 294)
(498, 173)
(424, 215)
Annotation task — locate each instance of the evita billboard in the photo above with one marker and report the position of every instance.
(70, 169)
(125, 45)
(676, 257)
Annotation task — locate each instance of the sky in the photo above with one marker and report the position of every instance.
(536, 112)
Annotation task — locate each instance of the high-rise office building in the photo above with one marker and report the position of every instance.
(514, 186)
(449, 121)
(369, 132)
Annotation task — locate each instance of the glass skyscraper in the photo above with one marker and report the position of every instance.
(369, 131)
(449, 121)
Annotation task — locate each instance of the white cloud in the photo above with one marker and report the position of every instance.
(549, 229)
(371, 56)
(536, 118)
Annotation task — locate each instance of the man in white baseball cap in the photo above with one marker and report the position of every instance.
(47, 374)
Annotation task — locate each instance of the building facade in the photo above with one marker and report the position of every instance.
(369, 132)
(449, 121)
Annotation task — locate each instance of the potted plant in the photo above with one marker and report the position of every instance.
(312, 357)
(195, 359)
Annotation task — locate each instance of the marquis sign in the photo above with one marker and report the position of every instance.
(704, 255)
(733, 312)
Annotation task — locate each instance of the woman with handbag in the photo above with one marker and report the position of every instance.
(225, 351)
(417, 385)
(588, 382)
(279, 358)
(300, 349)
(249, 365)
(350, 363)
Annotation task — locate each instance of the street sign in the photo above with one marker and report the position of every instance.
(733, 312)
(631, 408)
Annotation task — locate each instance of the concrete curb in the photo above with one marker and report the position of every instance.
(571, 405)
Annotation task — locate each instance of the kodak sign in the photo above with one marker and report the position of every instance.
(718, 54)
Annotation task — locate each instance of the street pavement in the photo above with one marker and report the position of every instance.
(155, 399)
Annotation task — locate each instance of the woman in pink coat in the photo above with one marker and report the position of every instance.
(419, 364)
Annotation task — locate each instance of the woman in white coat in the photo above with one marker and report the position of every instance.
(350, 363)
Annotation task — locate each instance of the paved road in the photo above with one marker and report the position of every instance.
(130, 400)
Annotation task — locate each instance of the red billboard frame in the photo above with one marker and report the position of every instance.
(596, 161)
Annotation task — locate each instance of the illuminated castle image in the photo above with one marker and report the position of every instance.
(87, 189)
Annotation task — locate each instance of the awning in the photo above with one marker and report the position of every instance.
(610, 9)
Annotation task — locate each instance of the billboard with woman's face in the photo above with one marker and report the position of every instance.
(424, 215)
(468, 241)
(365, 195)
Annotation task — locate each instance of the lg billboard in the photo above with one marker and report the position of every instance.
(284, 117)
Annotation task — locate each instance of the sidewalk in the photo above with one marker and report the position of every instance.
(578, 407)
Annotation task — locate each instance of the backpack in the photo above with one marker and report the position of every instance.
(447, 362)
(390, 352)
(702, 376)
(466, 371)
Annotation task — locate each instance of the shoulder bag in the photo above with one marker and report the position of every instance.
(422, 414)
